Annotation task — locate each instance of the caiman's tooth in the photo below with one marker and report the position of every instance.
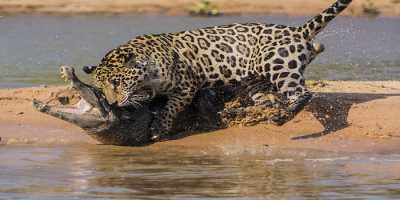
(63, 77)
(64, 73)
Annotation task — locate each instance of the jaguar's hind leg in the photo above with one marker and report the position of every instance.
(294, 88)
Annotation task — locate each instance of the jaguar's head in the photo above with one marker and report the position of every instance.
(122, 77)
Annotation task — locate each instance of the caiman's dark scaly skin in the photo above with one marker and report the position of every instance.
(124, 126)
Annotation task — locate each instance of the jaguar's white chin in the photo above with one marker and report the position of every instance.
(124, 102)
(131, 101)
(135, 99)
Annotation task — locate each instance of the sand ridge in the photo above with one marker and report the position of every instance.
(344, 116)
(180, 7)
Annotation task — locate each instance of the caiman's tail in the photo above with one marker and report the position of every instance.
(316, 24)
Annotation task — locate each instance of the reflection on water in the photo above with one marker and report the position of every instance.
(106, 172)
(34, 46)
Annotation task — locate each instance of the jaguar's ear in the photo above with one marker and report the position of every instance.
(89, 69)
(151, 72)
(152, 78)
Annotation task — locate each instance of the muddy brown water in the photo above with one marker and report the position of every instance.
(105, 172)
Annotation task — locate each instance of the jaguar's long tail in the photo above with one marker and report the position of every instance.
(316, 24)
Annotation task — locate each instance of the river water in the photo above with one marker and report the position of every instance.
(105, 172)
(32, 47)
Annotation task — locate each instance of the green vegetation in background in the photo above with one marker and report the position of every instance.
(395, 1)
(204, 8)
(370, 9)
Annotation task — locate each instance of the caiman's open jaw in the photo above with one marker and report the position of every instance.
(81, 114)
(106, 123)
(90, 112)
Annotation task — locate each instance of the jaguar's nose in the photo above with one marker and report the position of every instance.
(110, 95)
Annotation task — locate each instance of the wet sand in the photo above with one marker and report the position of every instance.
(360, 117)
(180, 7)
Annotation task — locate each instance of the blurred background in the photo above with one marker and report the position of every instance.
(39, 35)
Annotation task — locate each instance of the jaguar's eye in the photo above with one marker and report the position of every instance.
(115, 83)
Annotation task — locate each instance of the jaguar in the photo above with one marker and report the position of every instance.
(178, 65)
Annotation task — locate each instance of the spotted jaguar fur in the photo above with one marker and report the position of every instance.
(180, 64)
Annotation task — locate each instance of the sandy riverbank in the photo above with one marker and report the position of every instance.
(362, 116)
(180, 7)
